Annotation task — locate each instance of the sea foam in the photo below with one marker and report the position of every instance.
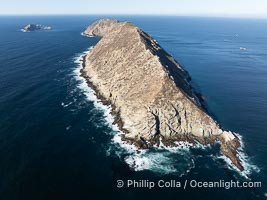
(89, 92)
(90, 36)
(246, 162)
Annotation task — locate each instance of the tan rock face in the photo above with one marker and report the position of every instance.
(100, 27)
(149, 90)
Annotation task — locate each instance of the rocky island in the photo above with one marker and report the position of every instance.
(34, 27)
(150, 93)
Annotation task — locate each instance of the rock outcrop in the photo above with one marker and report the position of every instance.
(34, 27)
(149, 91)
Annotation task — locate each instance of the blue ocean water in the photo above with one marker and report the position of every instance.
(57, 142)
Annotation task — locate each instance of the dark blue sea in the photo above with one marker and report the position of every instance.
(57, 140)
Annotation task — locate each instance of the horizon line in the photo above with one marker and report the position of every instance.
(137, 14)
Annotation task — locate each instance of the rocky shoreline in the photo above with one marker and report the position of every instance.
(117, 119)
(175, 75)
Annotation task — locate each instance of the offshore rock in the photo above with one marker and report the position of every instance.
(35, 27)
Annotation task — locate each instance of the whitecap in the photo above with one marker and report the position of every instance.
(64, 105)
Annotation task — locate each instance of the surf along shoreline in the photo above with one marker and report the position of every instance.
(117, 119)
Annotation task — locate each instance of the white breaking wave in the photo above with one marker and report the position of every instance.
(151, 161)
(159, 159)
(90, 93)
(65, 105)
(87, 35)
(245, 161)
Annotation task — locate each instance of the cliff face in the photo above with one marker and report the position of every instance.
(149, 91)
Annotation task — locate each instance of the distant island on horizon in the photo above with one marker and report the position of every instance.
(35, 27)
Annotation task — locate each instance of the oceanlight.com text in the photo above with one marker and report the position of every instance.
(187, 184)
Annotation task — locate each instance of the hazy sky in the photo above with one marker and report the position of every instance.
(227, 8)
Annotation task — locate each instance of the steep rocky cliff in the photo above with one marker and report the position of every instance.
(149, 91)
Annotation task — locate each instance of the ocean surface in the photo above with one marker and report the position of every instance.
(57, 140)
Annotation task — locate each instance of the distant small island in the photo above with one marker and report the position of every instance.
(34, 27)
